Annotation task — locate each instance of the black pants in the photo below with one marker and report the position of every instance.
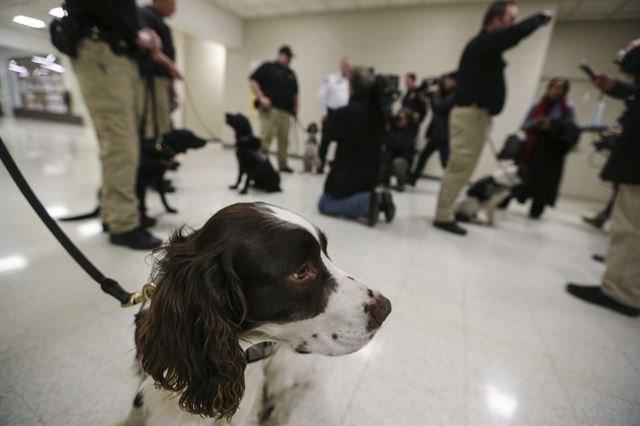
(433, 145)
(324, 141)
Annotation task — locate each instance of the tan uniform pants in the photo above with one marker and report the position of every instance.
(468, 127)
(621, 279)
(162, 89)
(110, 85)
(275, 122)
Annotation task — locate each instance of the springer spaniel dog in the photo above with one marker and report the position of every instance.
(253, 273)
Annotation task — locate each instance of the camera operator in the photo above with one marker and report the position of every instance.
(333, 94)
(104, 62)
(359, 130)
(398, 149)
(620, 289)
(415, 102)
(441, 100)
(480, 95)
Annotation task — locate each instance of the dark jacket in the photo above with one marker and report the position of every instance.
(542, 174)
(151, 18)
(358, 129)
(623, 165)
(414, 102)
(481, 70)
(439, 127)
(116, 22)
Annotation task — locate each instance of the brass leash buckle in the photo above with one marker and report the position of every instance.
(141, 296)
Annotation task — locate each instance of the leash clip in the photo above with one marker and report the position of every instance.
(140, 296)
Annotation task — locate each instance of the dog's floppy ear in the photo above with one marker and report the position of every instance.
(188, 339)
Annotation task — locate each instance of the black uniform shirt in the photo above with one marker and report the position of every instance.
(278, 83)
(481, 70)
(152, 19)
(413, 100)
(117, 21)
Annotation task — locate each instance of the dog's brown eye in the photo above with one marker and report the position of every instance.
(304, 273)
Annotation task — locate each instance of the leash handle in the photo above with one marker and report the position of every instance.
(107, 284)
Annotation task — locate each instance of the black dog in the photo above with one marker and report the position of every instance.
(252, 159)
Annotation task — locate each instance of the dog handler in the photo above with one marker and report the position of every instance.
(276, 89)
(110, 83)
(480, 95)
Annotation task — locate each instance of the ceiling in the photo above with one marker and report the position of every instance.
(260, 9)
(567, 9)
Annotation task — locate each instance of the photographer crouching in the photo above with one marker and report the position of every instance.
(359, 130)
(620, 289)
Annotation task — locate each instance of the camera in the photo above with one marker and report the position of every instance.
(429, 85)
(386, 92)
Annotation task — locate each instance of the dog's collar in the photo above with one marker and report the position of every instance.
(259, 352)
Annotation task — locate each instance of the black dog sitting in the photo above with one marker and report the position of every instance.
(156, 157)
(252, 159)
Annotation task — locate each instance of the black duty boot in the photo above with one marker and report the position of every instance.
(593, 294)
(138, 239)
(374, 208)
(387, 206)
(452, 227)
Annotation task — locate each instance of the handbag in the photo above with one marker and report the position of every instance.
(512, 148)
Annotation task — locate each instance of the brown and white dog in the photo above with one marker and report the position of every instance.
(253, 273)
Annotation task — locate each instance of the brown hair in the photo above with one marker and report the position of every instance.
(565, 83)
(188, 340)
(495, 10)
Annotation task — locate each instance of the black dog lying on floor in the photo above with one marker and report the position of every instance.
(252, 159)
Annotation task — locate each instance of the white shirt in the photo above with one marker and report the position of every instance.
(334, 92)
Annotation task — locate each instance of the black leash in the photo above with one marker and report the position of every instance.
(108, 285)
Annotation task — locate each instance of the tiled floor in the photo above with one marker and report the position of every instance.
(481, 330)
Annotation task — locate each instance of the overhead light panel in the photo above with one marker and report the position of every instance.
(29, 22)
(58, 12)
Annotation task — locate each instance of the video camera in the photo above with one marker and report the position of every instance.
(386, 92)
(607, 139)
(429, 85)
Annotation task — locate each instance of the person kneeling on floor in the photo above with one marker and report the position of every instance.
(359, 130)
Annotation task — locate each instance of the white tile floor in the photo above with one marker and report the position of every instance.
(481, 330)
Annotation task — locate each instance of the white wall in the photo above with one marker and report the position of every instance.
(426, 39)
(205, 63)
(596, 42)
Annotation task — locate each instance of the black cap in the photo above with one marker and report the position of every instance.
(286, 50)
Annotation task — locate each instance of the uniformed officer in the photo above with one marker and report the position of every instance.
(276, 89)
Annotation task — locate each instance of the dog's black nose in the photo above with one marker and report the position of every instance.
(378, 311)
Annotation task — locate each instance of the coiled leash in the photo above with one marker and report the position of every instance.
(108, 285)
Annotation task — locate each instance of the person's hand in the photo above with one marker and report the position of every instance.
(548, 14)
(545, 123)
(324, 118)
(175, 103)
(170, 65)
(174, 71)
(265, 103)
(604, 82)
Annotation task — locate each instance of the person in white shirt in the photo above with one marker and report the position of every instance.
(333, 94)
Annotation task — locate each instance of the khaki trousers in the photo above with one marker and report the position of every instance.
(275, 122)
(621, 279)
(468, 127)
(162, 87)
(110, 85)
